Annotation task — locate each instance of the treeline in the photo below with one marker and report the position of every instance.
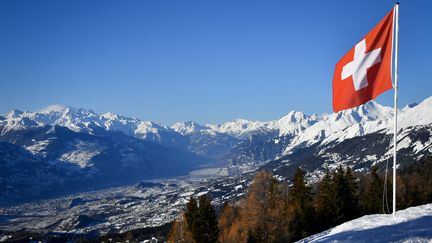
(199, 223)
(272, 213)
(276, 212)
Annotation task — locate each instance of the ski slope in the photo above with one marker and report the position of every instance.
(410, 225)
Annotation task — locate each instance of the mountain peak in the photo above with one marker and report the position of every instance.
(110, 116)
(54, 108)
(14, 113)
(294, 116)
(369, 111)
(186, 128)
(293, 122)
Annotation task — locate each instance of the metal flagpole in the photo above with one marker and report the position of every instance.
(396, 33)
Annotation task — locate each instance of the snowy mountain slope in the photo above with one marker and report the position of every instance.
(246, 139)
(410, 225)
(204, 140)
(77, 140)
(328, 129)
(330, 124)
(241, 141)
(241, 128)
(81, 120)
(360, 153)
(188, 128)
(88, 150)
(52, 160)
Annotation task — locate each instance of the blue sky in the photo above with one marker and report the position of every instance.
(207, 61)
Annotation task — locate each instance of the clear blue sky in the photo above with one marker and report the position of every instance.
(207, 61)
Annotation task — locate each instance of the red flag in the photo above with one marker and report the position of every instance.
(365, 71)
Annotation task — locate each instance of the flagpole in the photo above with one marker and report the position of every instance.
(396, 29)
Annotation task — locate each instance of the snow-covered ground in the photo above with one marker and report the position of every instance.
(410, 225)
(147, 204)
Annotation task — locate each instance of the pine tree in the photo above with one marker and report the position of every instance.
(191, 213)
(325, 203)
(300, 202)
(205, 227)
(373, 200)
(351, 197)
(344, 189)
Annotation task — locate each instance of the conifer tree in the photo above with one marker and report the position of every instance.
(325, 203)
(205, 227)
(300, 202)
(373, 200)
(351, 197)
(191, 213)
(344, 188)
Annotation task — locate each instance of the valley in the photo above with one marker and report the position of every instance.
(65, 170)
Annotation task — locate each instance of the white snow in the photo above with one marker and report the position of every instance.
(186, 128)
(37, 146)
(82, 154)
(240, 128)
(146, 127)
(81, 120)
(305, 130)
(410, 225)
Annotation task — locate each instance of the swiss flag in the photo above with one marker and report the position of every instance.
(365, 71)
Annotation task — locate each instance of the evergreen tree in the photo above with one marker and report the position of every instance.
(374, 192)
(325, 203)
(344, 189)
(191, 213)
(300, 202)
(352, 209)
(205, 227)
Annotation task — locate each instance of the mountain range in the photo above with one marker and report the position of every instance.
(59, 149)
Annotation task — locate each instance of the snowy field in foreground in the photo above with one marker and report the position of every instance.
(410, 225)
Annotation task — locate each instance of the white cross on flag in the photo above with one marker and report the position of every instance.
(365, 71)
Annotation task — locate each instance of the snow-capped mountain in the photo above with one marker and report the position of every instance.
(304, 130)
(188, 128)
(81, 120)
(360, 144)
(258, 142)
(236, 142)
(287, 135)
(61, 150)
(58, 140)
(204, 140)
(52, 160)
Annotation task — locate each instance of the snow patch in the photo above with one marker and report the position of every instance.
(410, 225)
